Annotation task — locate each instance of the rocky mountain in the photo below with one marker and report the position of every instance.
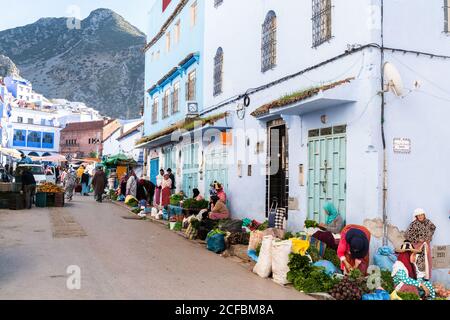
(7, 67)
(98, 62)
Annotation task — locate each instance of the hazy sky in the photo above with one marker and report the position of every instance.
(22, 12)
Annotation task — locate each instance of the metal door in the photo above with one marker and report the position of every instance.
(216, 169)
(190, 168)
(154, 169)
(326, 171)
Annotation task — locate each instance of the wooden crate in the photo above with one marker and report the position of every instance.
(59, 199)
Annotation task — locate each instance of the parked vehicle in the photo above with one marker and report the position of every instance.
(38, 172)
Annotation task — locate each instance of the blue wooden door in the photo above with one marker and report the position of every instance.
(326, 171)
(190, 168)
(154, 169)
(216, 169)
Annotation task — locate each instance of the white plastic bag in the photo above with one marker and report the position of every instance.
(154, 212)
(280, 260)
(264, 266)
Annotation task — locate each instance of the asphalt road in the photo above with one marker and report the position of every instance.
(117, 258)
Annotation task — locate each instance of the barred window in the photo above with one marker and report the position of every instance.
(165, 102)
(217, 3)
(218, 72)
(191, 86)
(175, 99)
(155, 111)
(447, 16)
(321, 21)
(269, 42)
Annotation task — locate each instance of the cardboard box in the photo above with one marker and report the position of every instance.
(441, 257)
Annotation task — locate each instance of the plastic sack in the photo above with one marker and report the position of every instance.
(154, 212)
(385, 258)
(299, 246)
(252, 255)
(216, 243)
(263, 267)
(280, 260)
(121, 198)
(377, 295)
(131, 201)
(330, 268)
(256, 238)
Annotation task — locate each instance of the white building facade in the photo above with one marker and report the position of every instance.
(311, 133)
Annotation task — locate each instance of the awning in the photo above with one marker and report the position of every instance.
(221, 123)
(11, 152)
(332, 95)
(51, 158)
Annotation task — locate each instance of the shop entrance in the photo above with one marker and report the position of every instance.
(216, 169)
(326, 170)
(154, 169)
(277, 175)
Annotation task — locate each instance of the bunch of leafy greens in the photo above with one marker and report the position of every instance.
(314, 254)
(175, 199)
(299, 266)
(258, 249)
(386, 281)
(315, 281)
(195, 223)
(408, 296)
(288, 235)
(311, 224)
(263, 226)
(332, 256)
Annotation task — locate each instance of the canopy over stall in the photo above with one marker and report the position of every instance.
(119, 160)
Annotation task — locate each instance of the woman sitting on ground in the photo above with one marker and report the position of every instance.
(404, 273)
(334, 224)
(219, 210)
(197, 196)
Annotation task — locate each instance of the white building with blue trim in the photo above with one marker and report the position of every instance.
(342, 101)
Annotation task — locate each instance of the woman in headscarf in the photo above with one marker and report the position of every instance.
(132, 184)
(353, 249)
(197, 196)
(221, 193)
(159, 180)
(166, 187)
(420, 233)
(85, 183)
(333, 224)
(123, 185)
(70, 181)
(404, 273)
(219, 209)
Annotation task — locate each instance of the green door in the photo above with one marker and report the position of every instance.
(190, 168)
(326, 171)
(216, 169)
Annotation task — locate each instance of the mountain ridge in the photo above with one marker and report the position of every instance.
(100, 64)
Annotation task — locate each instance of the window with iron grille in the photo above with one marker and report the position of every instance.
(165, 111)
(218, 72)
(155, 110)
(321, 21)
(447, 16)
(175, 95)
(191, 86)
(269, 42)
(217, 3)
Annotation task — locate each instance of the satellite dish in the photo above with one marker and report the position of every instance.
(393, 79)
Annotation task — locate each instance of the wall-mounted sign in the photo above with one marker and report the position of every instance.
(402, 145)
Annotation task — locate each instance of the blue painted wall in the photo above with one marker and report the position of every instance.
(191, 41)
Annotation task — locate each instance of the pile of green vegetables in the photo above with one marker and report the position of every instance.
(311, 224)
(263, 226)
(306, 277)
(178, 226)
(215, 231)
(136, 210)
(194, 204)
(408, 296)
(133, 203)
(175, 199)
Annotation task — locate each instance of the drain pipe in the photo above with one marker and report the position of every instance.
(383, 136)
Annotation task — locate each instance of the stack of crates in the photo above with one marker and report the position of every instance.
(17, 202)
(41, 199)
(59, 199)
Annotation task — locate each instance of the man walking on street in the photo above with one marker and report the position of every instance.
(172, 177)
(99, 182)
(69, 183)
(28, 187)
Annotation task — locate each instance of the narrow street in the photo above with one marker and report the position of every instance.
(119, 258)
